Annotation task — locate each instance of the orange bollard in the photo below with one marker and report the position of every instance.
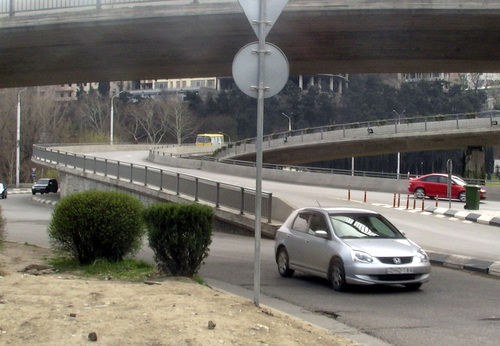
(394, 201)
(349, 193)
(407, 202)
(423, 207)
(414, 204)
(399, 200)
(437, 201)
(364, 198)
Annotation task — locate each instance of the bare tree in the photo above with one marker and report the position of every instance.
(146, 121)
(180, 123)
(42, 120)
(94, 111)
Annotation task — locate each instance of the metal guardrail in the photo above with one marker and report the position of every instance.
(13, 6)
(217, 193)
(385, 126)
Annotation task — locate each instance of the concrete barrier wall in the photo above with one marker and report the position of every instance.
(307, 178)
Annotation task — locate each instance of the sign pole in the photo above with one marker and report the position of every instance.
(244, 72)
(258, 147)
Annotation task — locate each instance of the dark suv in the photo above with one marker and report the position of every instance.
(45, 186)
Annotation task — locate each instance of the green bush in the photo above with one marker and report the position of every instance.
(95, 225)
(179, 235)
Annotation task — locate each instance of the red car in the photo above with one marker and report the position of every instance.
(436, 185)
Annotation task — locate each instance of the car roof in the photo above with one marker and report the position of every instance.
(338, 210)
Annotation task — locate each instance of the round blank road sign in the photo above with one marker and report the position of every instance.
(246, 70)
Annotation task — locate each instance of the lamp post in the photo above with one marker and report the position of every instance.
(111, 119)
(289, 122)
(399, 154)
(18, 137)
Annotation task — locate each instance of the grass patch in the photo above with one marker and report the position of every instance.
(131, 270)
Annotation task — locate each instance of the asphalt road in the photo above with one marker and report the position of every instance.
(455, 307)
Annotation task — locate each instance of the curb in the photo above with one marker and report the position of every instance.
(465, 263)
(473, 216)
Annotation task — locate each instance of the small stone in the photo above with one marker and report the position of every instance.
(72, 314)
(93, 336)
(211, 325)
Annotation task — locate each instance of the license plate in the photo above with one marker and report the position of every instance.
(400, 271)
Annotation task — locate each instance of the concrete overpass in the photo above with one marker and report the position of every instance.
(439, 132)
(181, 38)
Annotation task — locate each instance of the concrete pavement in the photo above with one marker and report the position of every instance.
(490, 217)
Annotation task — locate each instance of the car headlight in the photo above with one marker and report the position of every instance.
(360, 256)
(422, 255)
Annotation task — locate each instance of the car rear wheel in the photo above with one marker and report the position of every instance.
(283, 261)
(419, 193)
(461, 196)
(337, 275)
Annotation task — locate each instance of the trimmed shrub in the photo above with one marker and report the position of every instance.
(179, 235)
(97, 225)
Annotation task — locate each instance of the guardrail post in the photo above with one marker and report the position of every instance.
(161, 179)
(343, 131)
(177, 183)
(423, 206)
(270, 208)
(84, 160)
(105, 167)
(95, 164)
(74, 161)
(217, 194)
(145, 175)
(394, 201)
(321, 132)
(457, 121)
(349, 193)
(131, 172)
(196, 189)
(242, 200)
(118, 170)
(399, 200)
(12, 8)
(364, 198)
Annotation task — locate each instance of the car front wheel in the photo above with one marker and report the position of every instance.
(283, 261)
(337, 275)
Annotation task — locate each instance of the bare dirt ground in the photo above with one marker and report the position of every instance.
(59, 309)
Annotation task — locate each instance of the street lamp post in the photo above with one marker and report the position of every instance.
(18, 137)
(111, 119)
(289, 122)
(399, 154)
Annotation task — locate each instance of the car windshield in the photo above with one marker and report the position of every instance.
(458, 180)
(352, 226)
(43, 181)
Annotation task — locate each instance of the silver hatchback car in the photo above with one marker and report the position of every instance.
(349, 246)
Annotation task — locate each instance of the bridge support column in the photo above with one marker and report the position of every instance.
(475, 163)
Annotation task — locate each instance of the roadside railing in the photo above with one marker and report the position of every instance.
(13, 6)
(365, 129)
(219, 194)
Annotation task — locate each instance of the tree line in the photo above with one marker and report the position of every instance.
(170, 119)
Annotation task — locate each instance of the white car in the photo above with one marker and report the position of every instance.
(349, 246)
